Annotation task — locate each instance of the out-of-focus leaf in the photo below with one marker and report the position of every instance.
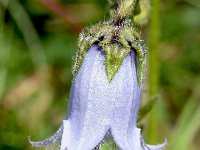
(143, 12)
(30, 35)
(188, 124)
(5, 52)
(144, 110)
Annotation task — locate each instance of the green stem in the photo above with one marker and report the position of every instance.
(125, 8)
(132, 6)
(153, 67)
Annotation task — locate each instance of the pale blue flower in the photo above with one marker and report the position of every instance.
(98, 106)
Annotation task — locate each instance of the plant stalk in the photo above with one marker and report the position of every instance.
(154, 35)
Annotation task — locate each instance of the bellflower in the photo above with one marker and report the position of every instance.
(106, 89)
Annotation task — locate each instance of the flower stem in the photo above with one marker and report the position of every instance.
(124, 10)
(153, 67)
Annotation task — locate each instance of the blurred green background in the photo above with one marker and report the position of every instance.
(37, 45)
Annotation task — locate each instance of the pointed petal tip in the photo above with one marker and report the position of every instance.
(35, 144)
(49, 141)
(39, 143)
(156, 147)
(30, 141)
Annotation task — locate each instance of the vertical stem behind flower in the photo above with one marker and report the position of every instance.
(154, 31)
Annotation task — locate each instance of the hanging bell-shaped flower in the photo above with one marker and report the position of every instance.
(106, 90)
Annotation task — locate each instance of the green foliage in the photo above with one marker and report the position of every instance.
(144, 110)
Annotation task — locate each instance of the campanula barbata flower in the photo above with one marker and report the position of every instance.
(106, 89)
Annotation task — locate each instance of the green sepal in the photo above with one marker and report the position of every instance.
(117, 42)
(130, 39)
(114, 58)
(140, 54)
(80, 54)
(87, 38)
(108, 145)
